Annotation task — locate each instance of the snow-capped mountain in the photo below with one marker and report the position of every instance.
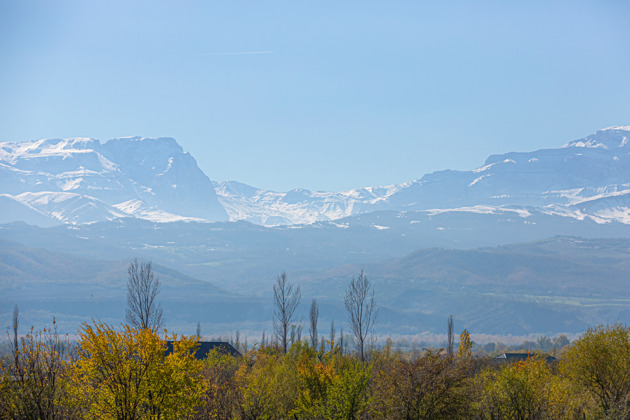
(582, 169)
(81, 180)
(555, 180)
(298, 206)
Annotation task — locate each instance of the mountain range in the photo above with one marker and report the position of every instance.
(80, 180)
(512, 247)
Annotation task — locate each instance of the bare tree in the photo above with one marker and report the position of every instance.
(143, 286)
(362, 312)
(333, 333)
(314, 316)
(15, 323)
(35, 387)
(285, 301)
(292, 336)
(451, 337)
(341, 340)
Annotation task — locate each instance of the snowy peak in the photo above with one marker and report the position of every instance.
(607, 138)
(156, 172)
(297, 206)
(80, 180)
(596, 166)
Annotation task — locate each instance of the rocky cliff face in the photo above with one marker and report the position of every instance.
(81, 180)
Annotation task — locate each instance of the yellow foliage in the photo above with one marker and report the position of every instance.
(222, 396)
(526, 390)
(465, 345)
(331, 385)
(33, 382)
(267, 381)
(598, 363)
(126, 374)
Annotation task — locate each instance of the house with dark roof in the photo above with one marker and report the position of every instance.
(205, 347)
(521, 357)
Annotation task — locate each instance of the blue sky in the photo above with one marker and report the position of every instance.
(325, 95)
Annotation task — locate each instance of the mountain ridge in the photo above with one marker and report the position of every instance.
(155, 179)
(164, 181)
(578, 171)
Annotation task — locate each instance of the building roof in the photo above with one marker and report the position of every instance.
(205, 347)
(518, 357)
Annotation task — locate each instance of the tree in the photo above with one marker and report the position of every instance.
(32, 384)
(330, 386)
(465, 345)
(267, 383)
(521, 390)
(450, 337)
(223, 395)
(333, 333)
(544, 343)
(599, 362)
(427, 387)
(314, 315)
(362, 312)
(341, 344)
(127, 375)
(15, 324)
(286, 299)
(143, 286)
(561, 341)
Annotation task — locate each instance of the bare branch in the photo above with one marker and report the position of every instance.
(286, 299)
(451, 337)
(15, 323)
(333, 333)
(314, 316)
(362, 313)
(143, 311)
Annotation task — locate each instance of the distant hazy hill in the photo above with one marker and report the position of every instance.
(557, 284)
(562, 284)
(243, 257)
(75, 289)
(36, 272)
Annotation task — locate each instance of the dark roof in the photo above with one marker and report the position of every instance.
(205, 347)
(518, 357)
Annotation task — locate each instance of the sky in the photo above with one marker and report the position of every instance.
(324, 95)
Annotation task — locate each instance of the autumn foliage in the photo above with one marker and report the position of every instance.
(125, 373)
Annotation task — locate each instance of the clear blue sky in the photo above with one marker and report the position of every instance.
(334, 95)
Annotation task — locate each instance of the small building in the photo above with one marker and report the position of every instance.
(521, 357)
(205, 347)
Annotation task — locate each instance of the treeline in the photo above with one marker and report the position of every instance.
(126, 373)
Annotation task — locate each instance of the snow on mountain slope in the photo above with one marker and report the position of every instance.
(140, 210)
(79, 180)
(14, 209)
(155, 179)
(298, 206)
(70, 207)
(594, 167)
